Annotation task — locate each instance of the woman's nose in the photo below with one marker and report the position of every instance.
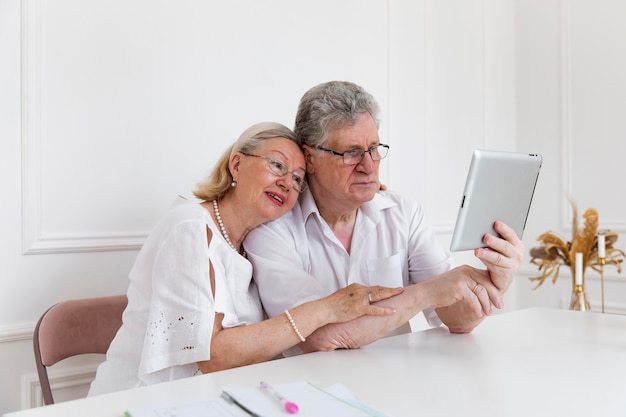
(284, 182)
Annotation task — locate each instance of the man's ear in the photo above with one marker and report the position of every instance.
(308, 159)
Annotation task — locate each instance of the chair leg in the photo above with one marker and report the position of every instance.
(42, 372)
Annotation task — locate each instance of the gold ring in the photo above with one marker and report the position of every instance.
(474, 289)
(369, 297)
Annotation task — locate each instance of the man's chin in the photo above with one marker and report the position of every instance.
(365, 194)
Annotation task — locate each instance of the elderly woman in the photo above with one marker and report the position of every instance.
(192, 305)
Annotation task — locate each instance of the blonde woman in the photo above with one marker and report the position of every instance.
(192, 305)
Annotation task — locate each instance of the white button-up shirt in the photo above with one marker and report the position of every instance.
(298, 258)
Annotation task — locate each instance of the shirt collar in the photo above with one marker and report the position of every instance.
(307, 205)
(371, 209)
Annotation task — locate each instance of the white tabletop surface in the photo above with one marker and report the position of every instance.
(533, 362)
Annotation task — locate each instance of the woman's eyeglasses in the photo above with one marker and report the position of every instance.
(279, 169)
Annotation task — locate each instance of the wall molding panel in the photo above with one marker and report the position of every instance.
(15, 333)
(74, 378)
(35, 240)
(567, 127)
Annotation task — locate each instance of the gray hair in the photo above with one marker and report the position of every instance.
(219, 182)
(329, 106)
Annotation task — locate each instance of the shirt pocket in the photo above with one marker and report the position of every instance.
(386, 271)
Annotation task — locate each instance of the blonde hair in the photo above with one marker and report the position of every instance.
(220, 180)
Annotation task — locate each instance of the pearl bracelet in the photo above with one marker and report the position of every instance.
(293, 325)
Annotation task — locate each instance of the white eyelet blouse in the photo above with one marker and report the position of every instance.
(168, 323)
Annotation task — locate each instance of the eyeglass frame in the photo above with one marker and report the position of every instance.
(363, 152)
(284, 170)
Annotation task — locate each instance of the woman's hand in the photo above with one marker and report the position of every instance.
(357, 300)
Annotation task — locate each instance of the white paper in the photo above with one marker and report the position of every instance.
(214, 407)
(311, 400)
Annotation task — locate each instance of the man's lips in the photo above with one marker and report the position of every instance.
(365, 183)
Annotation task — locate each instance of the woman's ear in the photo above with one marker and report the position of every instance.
(233, 165)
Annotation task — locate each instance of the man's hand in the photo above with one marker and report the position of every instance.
(502, 256)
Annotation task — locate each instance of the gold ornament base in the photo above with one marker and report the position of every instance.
(579, 299)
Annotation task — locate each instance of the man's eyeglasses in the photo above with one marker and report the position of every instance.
(355, 156)
(279, 169)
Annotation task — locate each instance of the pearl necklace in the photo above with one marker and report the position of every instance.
(222, 228)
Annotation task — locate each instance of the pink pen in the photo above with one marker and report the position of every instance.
(290, 407)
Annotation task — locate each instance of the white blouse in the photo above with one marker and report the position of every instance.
(168, 323)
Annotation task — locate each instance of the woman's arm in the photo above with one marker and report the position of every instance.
(245, 345)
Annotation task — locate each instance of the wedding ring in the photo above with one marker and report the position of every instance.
(474, 289)
(369, 297)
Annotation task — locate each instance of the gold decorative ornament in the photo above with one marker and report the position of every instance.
(554, 252)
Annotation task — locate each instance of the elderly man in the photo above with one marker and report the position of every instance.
(344, 229)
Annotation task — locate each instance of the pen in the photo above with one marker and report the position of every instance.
(291, 408)
(232, 400)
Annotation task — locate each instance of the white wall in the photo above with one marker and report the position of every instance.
(570, 94)
(108, 110)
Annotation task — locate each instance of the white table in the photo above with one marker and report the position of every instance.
(534, 362)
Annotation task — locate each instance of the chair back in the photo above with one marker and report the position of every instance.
(75, 327)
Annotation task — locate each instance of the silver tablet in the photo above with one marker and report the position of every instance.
(499, 186)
